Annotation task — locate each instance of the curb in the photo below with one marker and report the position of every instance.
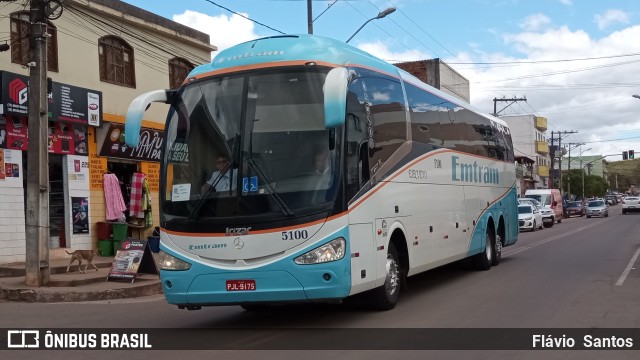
(37, 295)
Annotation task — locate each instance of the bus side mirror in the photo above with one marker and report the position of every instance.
(136, 111)
(335, 97)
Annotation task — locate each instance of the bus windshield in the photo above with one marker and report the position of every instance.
(250, 144)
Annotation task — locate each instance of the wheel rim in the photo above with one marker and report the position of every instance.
(487, 248)
(498, 246)
(393, 276)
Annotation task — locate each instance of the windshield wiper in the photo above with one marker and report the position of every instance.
(285, 209)
(193, 216)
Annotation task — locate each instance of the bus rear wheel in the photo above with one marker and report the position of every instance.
(386, 296)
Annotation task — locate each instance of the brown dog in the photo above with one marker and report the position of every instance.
(82, 255)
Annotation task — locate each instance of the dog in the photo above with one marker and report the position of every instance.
(82, 255)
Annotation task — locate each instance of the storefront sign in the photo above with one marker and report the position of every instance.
(78, 172)
(149, 146)
(80, 213)
(67, 103)
(152, 170)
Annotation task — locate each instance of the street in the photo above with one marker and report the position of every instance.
(577, 274)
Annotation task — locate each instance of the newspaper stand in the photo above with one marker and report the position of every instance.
(134, 257)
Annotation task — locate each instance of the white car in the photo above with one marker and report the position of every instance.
(529, 217)
(630, 203)
(548, 215)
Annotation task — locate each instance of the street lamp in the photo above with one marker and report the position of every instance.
(381, 14)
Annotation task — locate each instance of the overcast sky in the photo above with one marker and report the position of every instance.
(576, 61)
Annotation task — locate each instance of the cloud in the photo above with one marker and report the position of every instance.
(535, 22)
(611, 17)
(567, 2)
(381, 50)
(224, 31)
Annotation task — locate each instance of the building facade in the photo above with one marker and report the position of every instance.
(438, 74)
(101, 54)
(529, 136)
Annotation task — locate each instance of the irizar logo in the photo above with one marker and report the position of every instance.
(18, 91)
(473, 173)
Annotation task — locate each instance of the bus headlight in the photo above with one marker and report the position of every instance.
(170, 262)
(331, 251)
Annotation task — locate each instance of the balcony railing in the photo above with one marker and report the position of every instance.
(542, 147)
(543, 170)
(540, 123)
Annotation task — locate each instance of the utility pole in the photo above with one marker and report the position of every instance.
(560, 133)
(512, 100)
(309, 17)
(569, 168)
(37, 207)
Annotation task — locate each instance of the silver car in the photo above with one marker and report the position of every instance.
(597, 208)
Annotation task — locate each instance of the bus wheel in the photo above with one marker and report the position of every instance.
(386, 296)
(483, 260)
(497, 252)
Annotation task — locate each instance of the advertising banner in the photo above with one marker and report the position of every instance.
(67, 103)
(149, 147)
(80, 213)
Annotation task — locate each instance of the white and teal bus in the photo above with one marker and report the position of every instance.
(414, 178)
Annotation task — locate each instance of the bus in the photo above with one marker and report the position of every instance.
(413, 178)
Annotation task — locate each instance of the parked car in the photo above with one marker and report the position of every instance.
(597, 208)
(529, 217)
(575, 208)
(630, 203)
(550, 198)
(548, 215)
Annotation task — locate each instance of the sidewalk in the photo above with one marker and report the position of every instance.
(74, 286)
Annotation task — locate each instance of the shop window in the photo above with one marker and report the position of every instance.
(116, 61)
(178, 70)
(20, 31)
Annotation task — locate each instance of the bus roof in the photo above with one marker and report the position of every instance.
(313, 48)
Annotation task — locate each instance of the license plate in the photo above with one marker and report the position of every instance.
(241, 285)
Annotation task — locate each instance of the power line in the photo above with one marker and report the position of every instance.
(236, 13)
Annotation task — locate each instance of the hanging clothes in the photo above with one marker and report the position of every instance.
(114, 203)
(137, 189)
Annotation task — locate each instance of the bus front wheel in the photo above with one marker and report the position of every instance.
(386, 296)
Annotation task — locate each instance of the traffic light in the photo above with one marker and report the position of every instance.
(631, 155)
(624, 155)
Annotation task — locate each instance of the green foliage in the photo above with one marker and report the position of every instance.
(593, 185)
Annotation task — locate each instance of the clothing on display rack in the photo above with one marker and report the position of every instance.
(140, 204)
(114, 203)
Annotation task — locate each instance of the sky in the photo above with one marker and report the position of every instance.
(577, 62)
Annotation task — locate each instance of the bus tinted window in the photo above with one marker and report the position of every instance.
(381, 98)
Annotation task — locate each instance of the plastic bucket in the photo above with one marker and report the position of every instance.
(104, 230)
(119, 231)
(105, 248)
(117, 244)
(154, 243)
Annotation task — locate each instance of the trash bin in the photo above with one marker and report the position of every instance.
(154, 243)
(104, 230)
(105, 248)
(117, 244)
(119, 231)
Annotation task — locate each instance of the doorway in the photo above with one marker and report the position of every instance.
(124, 172)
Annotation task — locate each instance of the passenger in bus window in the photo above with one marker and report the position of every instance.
(321, 161)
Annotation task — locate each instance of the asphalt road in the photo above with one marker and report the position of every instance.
(577, 274)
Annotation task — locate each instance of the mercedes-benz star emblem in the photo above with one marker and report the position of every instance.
(238, 243)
